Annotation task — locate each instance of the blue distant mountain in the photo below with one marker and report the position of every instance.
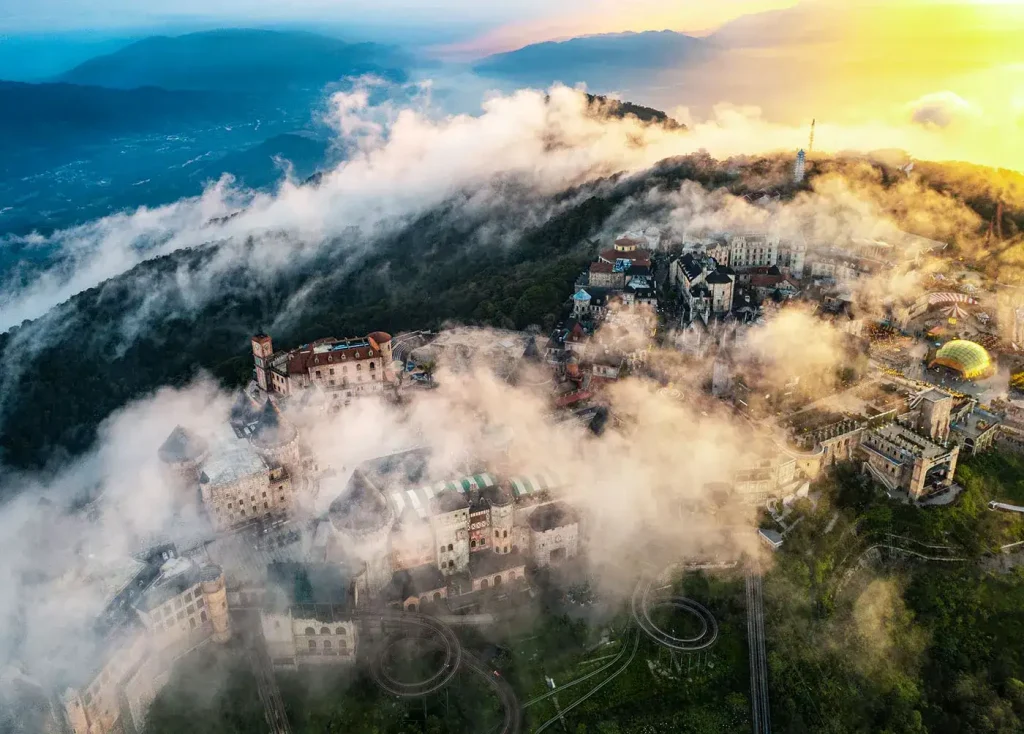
(238, 60)
(602, 61)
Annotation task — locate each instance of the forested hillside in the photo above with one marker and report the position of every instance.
(445, 266)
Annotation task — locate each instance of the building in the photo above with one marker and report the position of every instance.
(590, 303)
(967, 358)
(721, 283)
(899, 457)
(169, 607)
(251, 471)
(792, 257)
(935, 407)
(343, 368)
(753, 251)
(308, 615)
(976, 431)
(554, 533)
(361, 520)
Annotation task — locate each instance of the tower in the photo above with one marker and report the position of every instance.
(799, 168)
(216, 598)
(502, 519)
(362, 520)
(262, 351)
(276, 440)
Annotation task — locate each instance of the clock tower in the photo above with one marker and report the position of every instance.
(262, 351)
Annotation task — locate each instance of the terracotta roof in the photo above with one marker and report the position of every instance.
(602, 267)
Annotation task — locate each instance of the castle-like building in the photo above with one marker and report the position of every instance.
(165, 607)
(253, 470)
(344, 368)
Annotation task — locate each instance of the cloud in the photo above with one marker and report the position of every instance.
(941, 109)
(403, 161)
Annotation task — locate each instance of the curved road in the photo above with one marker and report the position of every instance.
(642, 603)
(443, 637)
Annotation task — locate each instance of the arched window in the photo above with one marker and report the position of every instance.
(441, 549)
(412, 607)
(327, 644)
(450, 546)
(497, 580)
(483, 584)
(497, 533)
(310, 631)
(339, 631)
(504, 533)
(342, 645)
(325, 631)
(511, 575)
(472, 544)
(312, 644)
(437, 596)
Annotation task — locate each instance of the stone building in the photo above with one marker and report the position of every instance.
(252, 471)
(308, 615)
(899, 457)
(554, 533)
(753, 251)
(361, 520)
(343, 368)
(935, 408)
(172, 608)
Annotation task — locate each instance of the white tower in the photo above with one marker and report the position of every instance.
(800, 167)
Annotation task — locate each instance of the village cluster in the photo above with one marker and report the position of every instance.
(397, 536)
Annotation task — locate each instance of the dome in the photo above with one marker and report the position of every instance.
(966, 357)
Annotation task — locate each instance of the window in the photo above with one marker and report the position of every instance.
(450, 546)
(497, 534)
(325, 631)
(339, 631)
(200, 602)
(264, 494)
(192, 622)
(190, 609)
(202, 616)
(177, 603)
(497, 580)
(472, 544)
(441, 549)
(310, 631)
(373, 366)
(180, 616)
(332, 370)
(327, 644)
(504, 533)
(318, 373)
(484, 584)
(312, 644)
(437, 596)
(342, 645)
(359, 368)
(266, 505)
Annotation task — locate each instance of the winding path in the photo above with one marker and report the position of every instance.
(440, 636)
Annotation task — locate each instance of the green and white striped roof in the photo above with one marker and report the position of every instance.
(419, 498)
(526, 485)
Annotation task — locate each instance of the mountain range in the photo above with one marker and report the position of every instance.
(237, 60)
(601, 61)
